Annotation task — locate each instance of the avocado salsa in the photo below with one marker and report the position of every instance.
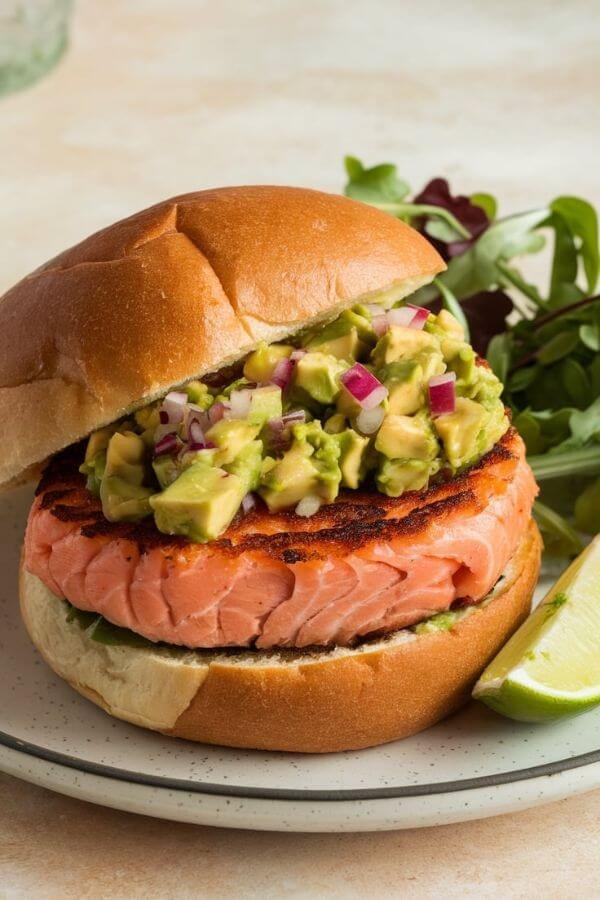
(389, 398)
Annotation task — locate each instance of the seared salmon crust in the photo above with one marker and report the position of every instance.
(364, 565)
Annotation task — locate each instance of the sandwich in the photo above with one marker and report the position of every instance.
(281, 503)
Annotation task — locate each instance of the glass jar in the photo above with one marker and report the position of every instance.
(33, 37)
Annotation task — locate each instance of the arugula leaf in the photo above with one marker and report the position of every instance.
(476, 269)
(585, 425)
(488, 204)
(589, 334)
(522, 378)
(498, 354)
(594, 373)
(530, 430)
(581, 219)
(576, 381)
(557, 347)
(450, 303)
(514, 278)
(381, 187)
(564, 259)
(566, 463)
(379, 184)
(560, 539)
(587, 509)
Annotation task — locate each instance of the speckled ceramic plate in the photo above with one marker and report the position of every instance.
(472, 765)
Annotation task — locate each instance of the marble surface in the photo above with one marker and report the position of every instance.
(157, 97)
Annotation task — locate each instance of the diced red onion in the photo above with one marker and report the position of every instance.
(294, 416)
(402, 317)
(174, 405)
(368, 421)
(161, 430)
(196, 414)
(248, 503)
(195, 435)
(282, 372)
(202, 445)
(309, 505)
(239, 404)
(163, 417)
(170, 443)
(279, 430)
(380, 324)
(297, 354)
(442, 394)
(362, 385)
(217, 411)
(420, 315)
(376, 309)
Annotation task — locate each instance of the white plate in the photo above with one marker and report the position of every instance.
(472, 765)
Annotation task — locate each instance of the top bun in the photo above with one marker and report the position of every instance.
(178, 291)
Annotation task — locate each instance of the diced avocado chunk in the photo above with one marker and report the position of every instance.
(200, 504)
(286, 481)
(461, 359)
(98, 442)
(318, 374)
(95, 457)
(404, 381)
(431, 362)
(123, 501)
(310, 466)
(443, 621)
(261, 363)
(354, 454)
(199, 394)
(123, 496)
(247, 465)
(406, 437)
(485, 387)
(335, 424)
(470, 430)
(396, 476)
(450, 324)
(400, 343)
(265, 404)
(147, 417)
(230, 437)
(165, 469)
(346, 346)
(349, 337)
(148, 420)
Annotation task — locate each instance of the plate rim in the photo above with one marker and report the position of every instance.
(88, 767)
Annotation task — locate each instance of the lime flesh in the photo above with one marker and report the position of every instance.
(550, 668)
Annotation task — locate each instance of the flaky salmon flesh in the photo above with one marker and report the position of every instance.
(363, 566)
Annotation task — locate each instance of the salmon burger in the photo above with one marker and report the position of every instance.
(282, 505)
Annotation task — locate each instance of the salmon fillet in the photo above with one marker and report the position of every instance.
(362, 566)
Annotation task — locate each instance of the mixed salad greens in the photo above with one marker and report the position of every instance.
(543, 342)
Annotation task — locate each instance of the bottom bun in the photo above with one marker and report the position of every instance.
(303, 701)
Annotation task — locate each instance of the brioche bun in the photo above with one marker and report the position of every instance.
(178, 291)
(311, 702)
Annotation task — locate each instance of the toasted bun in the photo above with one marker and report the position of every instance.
(340, 699)
(180, 290)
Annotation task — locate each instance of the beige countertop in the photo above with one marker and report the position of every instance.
(55, 847)
(156, 98)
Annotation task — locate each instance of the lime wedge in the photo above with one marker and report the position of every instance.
(550, 668)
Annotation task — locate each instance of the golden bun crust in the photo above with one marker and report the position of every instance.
(326, 701)
(180, 290)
